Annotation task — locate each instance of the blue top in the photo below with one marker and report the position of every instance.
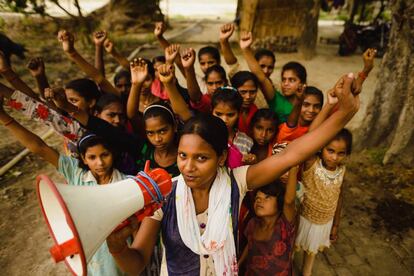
(102, 263)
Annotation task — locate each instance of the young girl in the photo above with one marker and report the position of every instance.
(140, 97)
(322, 179)
(95, 167)
(226, 104)
(83, 93)
(215, 77)
(266, 60)
(246, 83)
(263, 130)
(271, 233)
(199, 220)
(157, 88)
(293, 76)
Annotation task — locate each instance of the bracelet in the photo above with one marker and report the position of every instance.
(9, 122)
(362, 75)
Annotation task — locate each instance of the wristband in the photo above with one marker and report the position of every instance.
(362, 75)
(9, 122)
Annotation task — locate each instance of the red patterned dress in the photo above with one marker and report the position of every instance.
(273, 256)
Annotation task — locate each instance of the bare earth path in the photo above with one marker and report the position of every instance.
(361, 249)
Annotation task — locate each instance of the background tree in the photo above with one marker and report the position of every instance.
(389, 121)
(281, 25)
(116, 15)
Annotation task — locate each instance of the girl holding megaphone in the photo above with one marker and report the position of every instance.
(95, 167)
(198, 223)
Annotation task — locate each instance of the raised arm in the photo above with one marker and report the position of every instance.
(179, 106)
(5, 91)
(188, 59)
(110, 48)
(246, 40)
(368, 58)
(117, 136)
(293, 118)
(68, 41)
(7, 72)
(289, 208)
(99, 39)
(327, 108)
(139, 72)
(36, 67)
(28, 139)
(159, 30)
(226, 31)
(306, 146)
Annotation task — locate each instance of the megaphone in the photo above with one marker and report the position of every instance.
(80, 218)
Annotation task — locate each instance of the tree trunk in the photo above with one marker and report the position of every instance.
(132, 15)
(389, 121)
(281, 25)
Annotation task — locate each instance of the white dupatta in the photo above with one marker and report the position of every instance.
(217, 240)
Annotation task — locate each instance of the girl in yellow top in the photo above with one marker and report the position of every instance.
(322, 179)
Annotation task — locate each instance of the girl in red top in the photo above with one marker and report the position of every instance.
(271, 233)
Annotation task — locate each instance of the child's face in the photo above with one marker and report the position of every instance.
(123, 86)
(77, 100)
(267, 64)
(197, 161)
(159, 133)
(206, 61)
(290, 83)
(146, 85)
(248, 91)
(334, 154)
(263, 131)
(99, 160)
(227, 113)
(214, 81)
(265, 205)
(114, 114)
(311, 107)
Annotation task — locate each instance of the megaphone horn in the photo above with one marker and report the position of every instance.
(80, 218)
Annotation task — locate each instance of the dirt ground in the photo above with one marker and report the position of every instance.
(377, 229)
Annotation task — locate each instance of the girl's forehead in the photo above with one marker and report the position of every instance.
(289, 74)
(224, 107)
(337, 144)
(96, 149)
(114, 106)
(207, 56)
(194, 144)
(265, 121)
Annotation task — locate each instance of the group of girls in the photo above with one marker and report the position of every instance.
(238, 149)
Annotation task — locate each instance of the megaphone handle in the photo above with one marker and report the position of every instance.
(60, 251)
(147, 167)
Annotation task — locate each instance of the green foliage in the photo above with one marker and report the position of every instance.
(2, 24)
(25, 6)
(376, 155)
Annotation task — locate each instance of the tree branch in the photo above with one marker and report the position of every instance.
(56, 2)
(78, 7)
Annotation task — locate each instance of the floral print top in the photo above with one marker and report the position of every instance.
(34, 109)
(273, 256)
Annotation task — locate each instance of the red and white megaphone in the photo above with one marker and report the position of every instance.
(80, 218)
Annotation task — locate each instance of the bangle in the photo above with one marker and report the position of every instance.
(9, 122)
(362, 75)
